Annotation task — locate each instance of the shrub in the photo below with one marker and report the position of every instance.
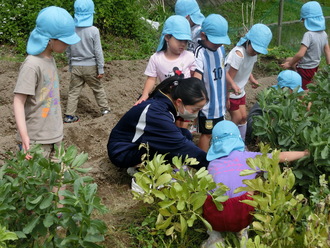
(30, 194)
(287, 124)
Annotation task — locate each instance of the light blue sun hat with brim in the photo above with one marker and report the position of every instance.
(260, 36)
(52, 23)
(83, 13)
(191, 8)
(290, 79)
(225, 139)
(313, 17)
(177, 26)
(215, 28)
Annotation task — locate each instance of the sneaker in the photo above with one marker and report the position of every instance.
(104, 112)
(71, 118)
(215, 240)
(131, 171)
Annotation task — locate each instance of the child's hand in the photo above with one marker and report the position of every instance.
(286, 65)
(255, 84)
(100, 76)
(235, 89)
(142, 99)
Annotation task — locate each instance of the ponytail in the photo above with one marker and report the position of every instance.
(189, 90)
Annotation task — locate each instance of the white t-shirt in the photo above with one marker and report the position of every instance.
(315, 42)
(161, 67)
(243, 65)
(195, 37)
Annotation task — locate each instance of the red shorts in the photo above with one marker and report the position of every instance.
(234, 103)
(235, 215)
(306, 75)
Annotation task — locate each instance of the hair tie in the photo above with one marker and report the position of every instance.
(175, 83)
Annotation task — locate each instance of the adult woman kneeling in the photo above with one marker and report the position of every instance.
(153, 122)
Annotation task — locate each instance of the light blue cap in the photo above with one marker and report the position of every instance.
(52, 23)
(313, 17)
(260, 36)
(225, 139)
(191, 8)
(83, 13)
(290, 79)
(216, 29)
(178, 27)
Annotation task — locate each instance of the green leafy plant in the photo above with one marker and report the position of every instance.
(6, 236)
(282, 217)
(31, 193)
(178, 191)
(286, 123)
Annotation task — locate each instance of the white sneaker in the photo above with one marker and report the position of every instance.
(215, 240)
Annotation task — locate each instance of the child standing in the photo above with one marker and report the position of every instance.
(239, 66)
(37, 97)
(313, 44)
(190, 10)
(210, 57)
(86, 61)
(171, 56)
(227, 159)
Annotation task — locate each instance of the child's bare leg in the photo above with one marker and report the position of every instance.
(204, 142)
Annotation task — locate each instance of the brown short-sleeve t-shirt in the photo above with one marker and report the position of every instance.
(38, 79)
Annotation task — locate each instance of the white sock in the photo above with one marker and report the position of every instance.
(242, 130)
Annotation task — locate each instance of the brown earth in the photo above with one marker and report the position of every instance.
(123, 83)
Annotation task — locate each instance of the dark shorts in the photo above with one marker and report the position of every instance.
(205, 126)
(306, 75)
(234, 103)
(235, 215)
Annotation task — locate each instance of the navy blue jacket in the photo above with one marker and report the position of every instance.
(151, 122)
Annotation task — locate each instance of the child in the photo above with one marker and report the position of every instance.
(239, 65)
(85, 61)
(313, 44)
(210, 57)
(171, 55)
(285, 79)
(227, 159)
(190, 10)
(37, 97)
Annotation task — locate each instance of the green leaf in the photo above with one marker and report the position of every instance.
(159, 194)
(49, 220)
(169, 231)
(181, 205)
(80, 160)
(198, 201)
(165, 204)
(164, 224)
(20, 235)
(257, 226)
(37, 200)
(47, 201)
(183, 225)
(163, 179)
(31, 225)
(93, 238)
(247, 172)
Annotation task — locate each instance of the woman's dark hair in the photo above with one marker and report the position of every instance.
(189, 90)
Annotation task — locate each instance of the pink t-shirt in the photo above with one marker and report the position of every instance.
(161, 67)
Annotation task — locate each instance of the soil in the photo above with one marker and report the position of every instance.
(123, 82)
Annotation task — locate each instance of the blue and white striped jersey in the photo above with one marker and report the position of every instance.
(211, 64)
